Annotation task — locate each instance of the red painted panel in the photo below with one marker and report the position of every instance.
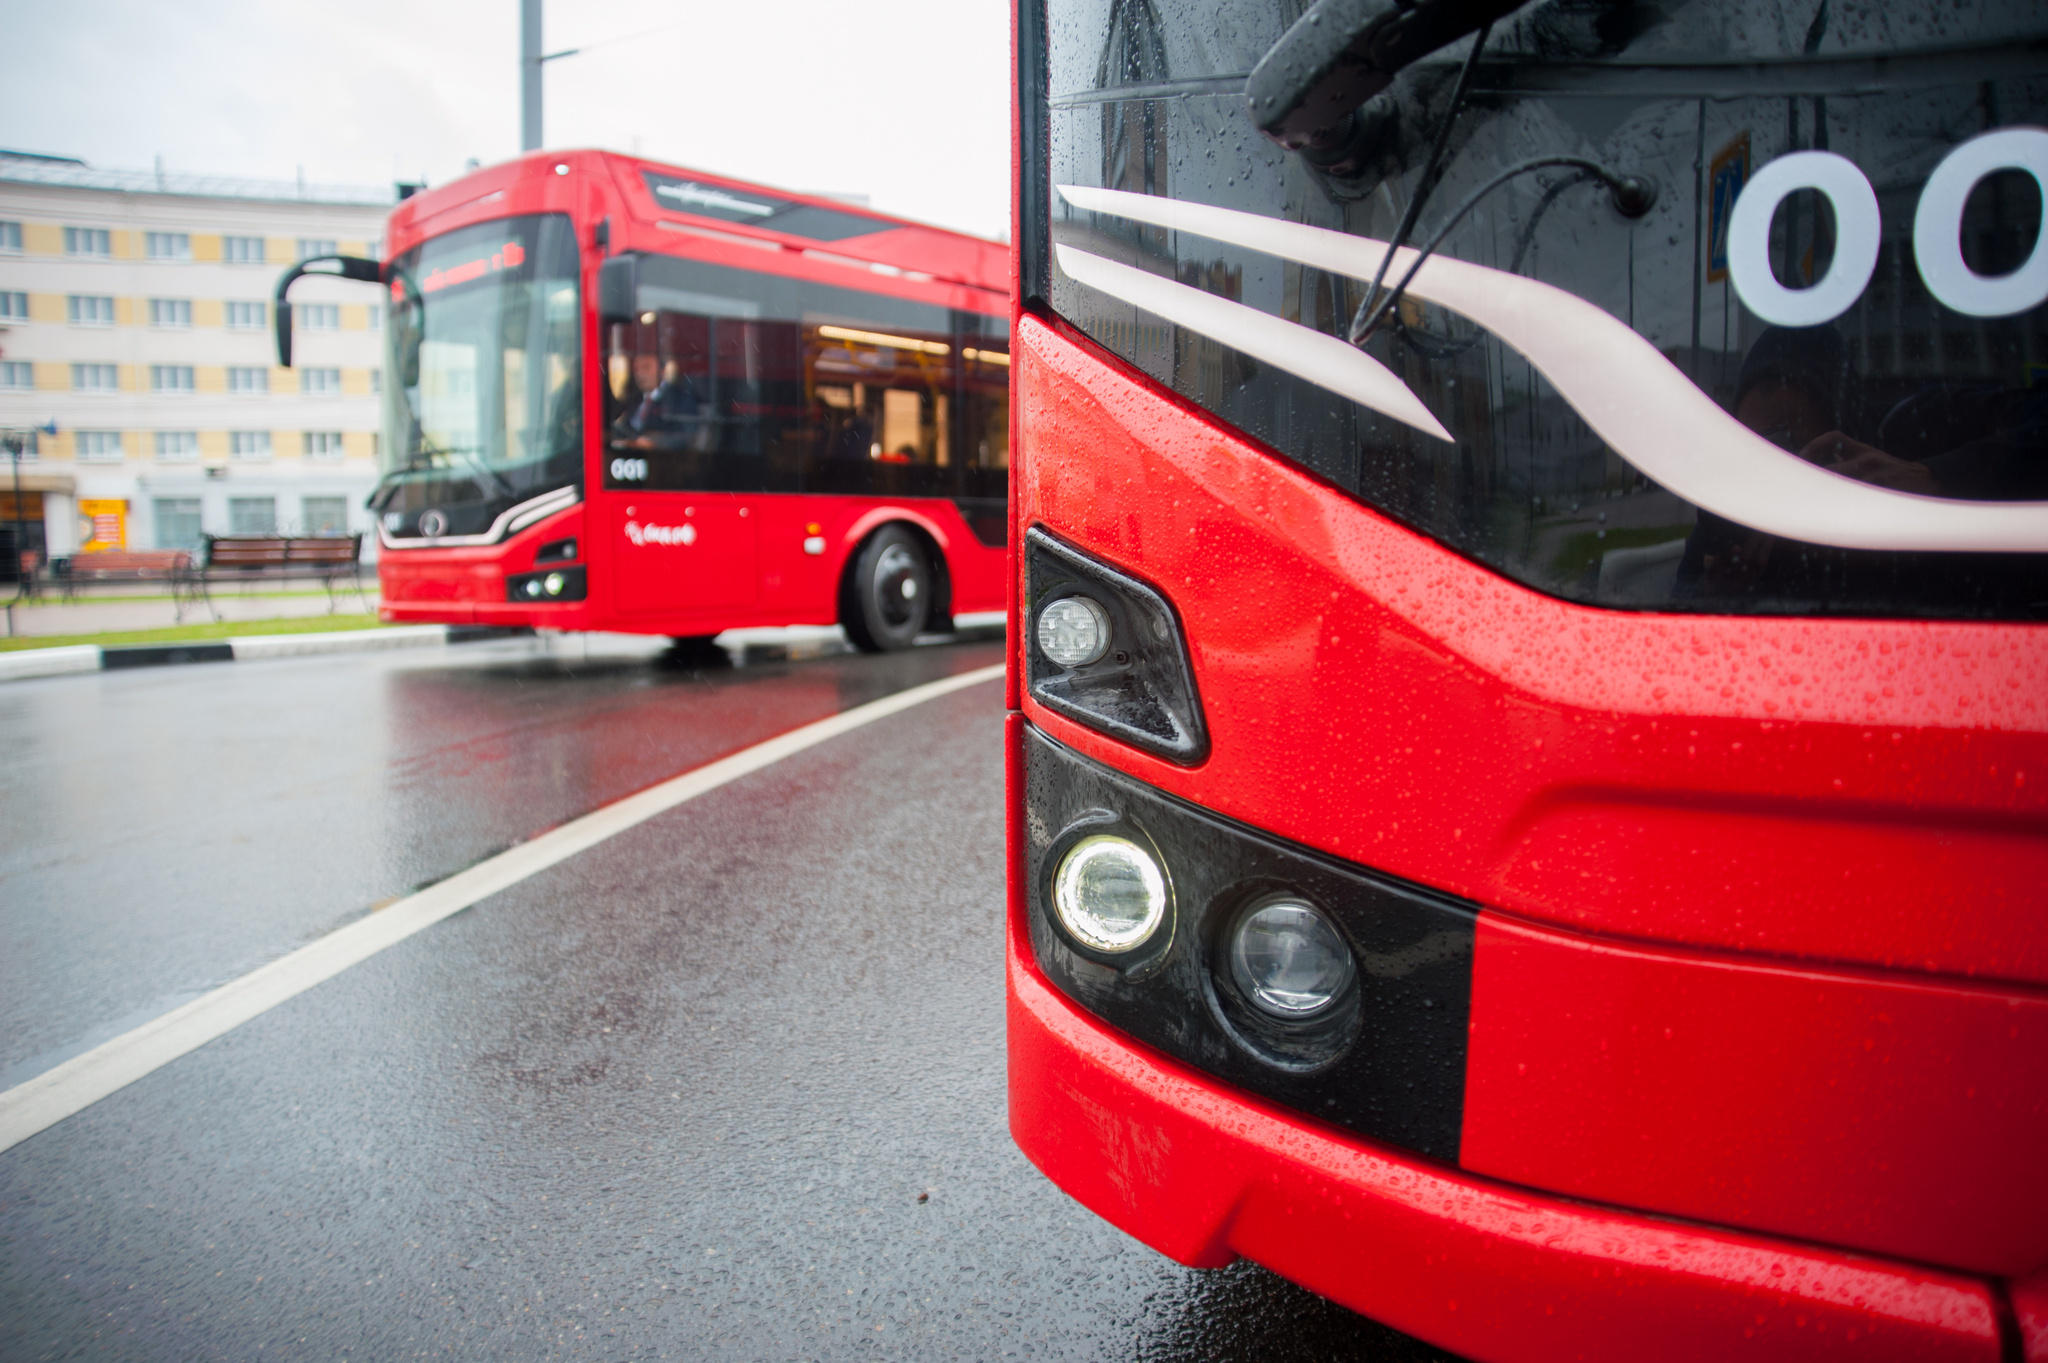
(1868, 791)
(1204, 1173)
(1895, 1114)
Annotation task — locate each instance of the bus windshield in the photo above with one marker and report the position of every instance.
(1829, 401)
(484, 409)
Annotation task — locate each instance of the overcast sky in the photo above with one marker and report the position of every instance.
(906, 101)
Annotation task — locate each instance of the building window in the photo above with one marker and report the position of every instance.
(319, 316)
(170, 312)
(246, 316)
(248, 380)
(323, 445)
(376, 317)
(376, 380)
(319, 380)
(177, 447)
(252, 515)
(95, 378)
(250, 445)
(168, 245)
(97, 447)
(90, 310)
(242, 250)
(326, 515)
(17, 374)
(13, 306)
(374, 248)
(10, 238)
(177, 522)
(95, 242)
(170, 378)
(315, 246)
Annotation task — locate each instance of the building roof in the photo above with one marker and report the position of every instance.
(66, 173)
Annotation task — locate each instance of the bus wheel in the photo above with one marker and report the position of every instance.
(889, 593)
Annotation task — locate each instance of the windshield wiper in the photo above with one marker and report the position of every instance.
(499, 486)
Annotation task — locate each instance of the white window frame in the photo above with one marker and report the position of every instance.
(250, 447)
(317, 316)
(310, 247)
(180, 308)
(229, 258)
(78, 304)
(10, 238)
(9, 369)
(262, 314)
(93, 235)
(177, 447)
(98, 447)
(239, 373)
(158, 371)
(323, 390)
(79, 368)
(178, 245)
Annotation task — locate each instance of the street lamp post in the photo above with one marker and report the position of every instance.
(531, 59)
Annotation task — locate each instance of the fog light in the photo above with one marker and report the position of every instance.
(1109, 893)
(554, 584)
(533, 586)
(1073, 631)
(1288, 960)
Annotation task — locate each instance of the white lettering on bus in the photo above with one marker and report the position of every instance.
(629, 470)
(660, 534)
(1937, 233)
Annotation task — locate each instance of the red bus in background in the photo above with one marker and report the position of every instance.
(1529, 758)
(626, 396)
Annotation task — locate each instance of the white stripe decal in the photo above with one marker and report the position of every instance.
(1323, 360)
(83, 1080)
(1634, 399)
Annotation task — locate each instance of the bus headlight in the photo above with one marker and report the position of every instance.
(1109, 893)
(1073, 631)
(1288, 960)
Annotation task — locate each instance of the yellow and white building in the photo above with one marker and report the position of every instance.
(136, 313)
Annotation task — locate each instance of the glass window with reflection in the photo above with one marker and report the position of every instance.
(742, 382)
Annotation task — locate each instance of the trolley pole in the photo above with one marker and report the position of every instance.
(529, 75)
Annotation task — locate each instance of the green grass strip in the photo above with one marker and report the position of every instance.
(229, 629)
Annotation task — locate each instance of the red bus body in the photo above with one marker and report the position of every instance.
(1756, 1056)
(748, 563)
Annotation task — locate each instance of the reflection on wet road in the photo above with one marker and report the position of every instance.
(730, 1084)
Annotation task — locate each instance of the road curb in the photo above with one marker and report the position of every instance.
(57, 662)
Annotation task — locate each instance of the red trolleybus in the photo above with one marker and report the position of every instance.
(624, 396)
(1530, 750)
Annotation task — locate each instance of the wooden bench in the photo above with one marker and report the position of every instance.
(335, 560)
(119, 565)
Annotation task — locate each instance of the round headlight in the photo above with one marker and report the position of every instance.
(1109, 893)
(1289, 960)
(555, 583)
(1073, 631)
(533, 586)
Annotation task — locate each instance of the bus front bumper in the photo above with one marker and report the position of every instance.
(1204, 1173)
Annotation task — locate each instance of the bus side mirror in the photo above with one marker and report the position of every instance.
(618, 289)
(1306, 91)
(347, 267)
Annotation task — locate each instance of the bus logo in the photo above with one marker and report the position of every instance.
(660, 534)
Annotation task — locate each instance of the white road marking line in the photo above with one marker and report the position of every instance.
(83, 1080)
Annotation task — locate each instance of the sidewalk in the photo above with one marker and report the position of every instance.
(140, 611)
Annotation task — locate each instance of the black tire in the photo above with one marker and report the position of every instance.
(888, 596)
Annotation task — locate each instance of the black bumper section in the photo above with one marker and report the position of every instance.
(1386, 1061)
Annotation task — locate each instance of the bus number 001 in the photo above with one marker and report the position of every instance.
(1937, 233)
(629, 470)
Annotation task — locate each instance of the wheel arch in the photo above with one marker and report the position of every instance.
(930, 536)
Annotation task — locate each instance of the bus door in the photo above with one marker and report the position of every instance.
(686, 483)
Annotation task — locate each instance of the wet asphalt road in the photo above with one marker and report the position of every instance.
(729, 1085)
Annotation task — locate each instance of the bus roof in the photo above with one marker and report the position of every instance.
(715, 208)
